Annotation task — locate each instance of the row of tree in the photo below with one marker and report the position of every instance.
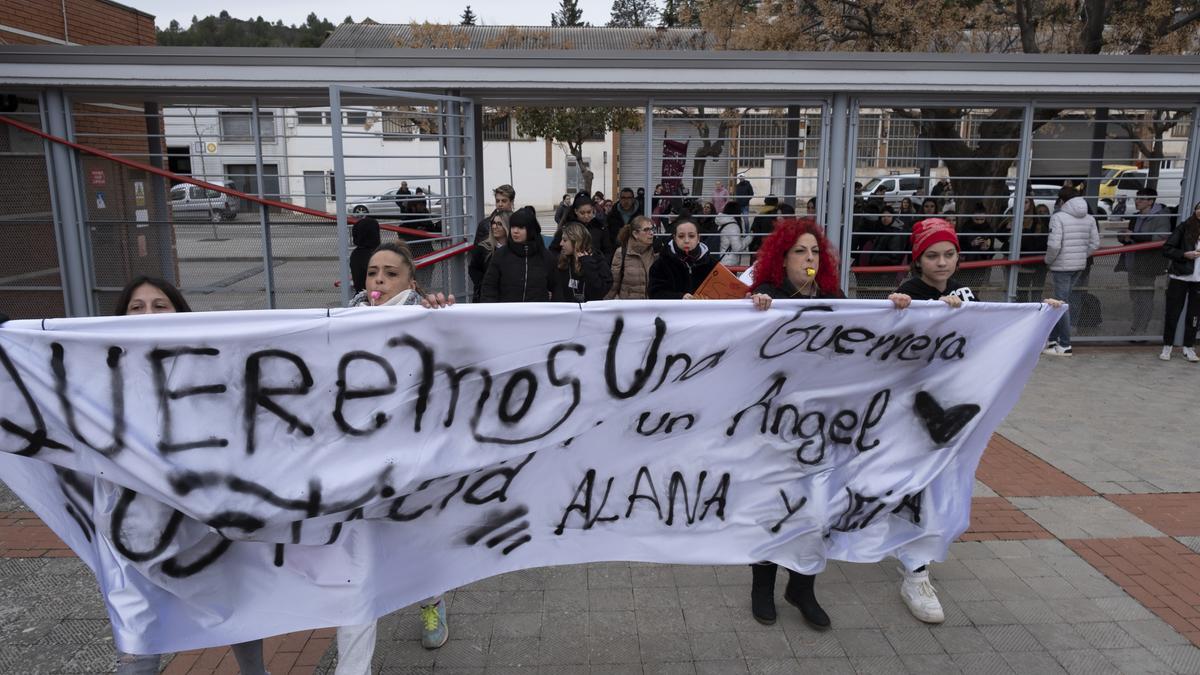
(223, 30)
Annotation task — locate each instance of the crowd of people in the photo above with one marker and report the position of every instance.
(606, 251)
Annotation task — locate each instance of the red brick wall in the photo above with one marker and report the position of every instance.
(121, 249)
(89, 22)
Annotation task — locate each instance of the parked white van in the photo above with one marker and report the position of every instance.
(1169, 187)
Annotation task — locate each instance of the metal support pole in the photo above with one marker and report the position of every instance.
(66, 202)
(264, 217)
(156, 196)
(647, 203)
(838, 198)
(1190, 190)
(457, 127)
(1024, 164)
(339, 178)
(475, 164)
(1096, 163)
(822, 165)
(791, 150)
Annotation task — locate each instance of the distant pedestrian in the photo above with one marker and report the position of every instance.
(1073, 238)
(1183, 288)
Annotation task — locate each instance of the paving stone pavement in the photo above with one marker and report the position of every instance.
(1118, 597)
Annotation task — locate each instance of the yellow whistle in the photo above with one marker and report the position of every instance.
(811, 272)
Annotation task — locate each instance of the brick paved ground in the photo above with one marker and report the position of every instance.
(1081, 557)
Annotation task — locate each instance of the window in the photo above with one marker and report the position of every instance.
(178, 194)
(902, 143)
(312, 117)
(1132, 181)
(910, 184)
(760, 135)
(812, 141)
(195, 192)
(868, 139)
(497, 127)
(235, 127)
(405, 125)
(355, 118)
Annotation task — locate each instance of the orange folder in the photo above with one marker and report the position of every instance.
(721, 284)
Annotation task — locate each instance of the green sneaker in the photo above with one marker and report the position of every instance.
(434, 631)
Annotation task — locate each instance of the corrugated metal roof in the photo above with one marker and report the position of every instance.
(589, 38)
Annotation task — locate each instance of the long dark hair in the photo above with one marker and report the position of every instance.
(166, 287)
(1192, 225)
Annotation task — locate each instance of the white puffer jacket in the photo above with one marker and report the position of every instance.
(1073, 237)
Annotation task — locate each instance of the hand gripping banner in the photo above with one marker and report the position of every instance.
(235, 475)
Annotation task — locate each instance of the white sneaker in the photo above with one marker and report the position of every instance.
(1057, 350)
(1166, 353)
(921, 598)
(1189, 353)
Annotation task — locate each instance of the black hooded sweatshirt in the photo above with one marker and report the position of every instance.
(365, 234)
(676, 273)
(523, 272)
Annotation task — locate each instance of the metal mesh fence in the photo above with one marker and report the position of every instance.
(30, 281)
(734, 169)
(227, 251)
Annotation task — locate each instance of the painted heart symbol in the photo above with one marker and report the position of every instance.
(943, 424)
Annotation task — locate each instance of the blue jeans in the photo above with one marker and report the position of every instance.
(1063, 283)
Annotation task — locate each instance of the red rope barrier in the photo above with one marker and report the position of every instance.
(199, 183)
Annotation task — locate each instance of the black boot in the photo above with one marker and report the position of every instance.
(762, 593)
(799, 592)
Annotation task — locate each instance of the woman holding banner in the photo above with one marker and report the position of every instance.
(150, 295)
(392, 281)
(581, 274)
(795, 262)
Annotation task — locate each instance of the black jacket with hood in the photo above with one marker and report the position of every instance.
(523, 272)
(365, 235)
(676, 273)
(1182, 240)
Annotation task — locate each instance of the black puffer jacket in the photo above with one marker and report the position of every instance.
(523, 272)
(366, 239)
(592, 283)
(673, 275)
(1182, 240)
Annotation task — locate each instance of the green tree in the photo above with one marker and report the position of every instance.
(468, 17)
(223, 30)
(633, 13)
(575, 126)
(568, 14)
(680, 14)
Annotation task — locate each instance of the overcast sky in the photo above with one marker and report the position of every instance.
(496, 12)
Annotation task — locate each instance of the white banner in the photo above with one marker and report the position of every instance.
(237, 475)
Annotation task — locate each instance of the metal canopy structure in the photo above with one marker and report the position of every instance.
(838, 117)
(549, 75)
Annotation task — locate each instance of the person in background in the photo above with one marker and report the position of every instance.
(151, 295)
(1182, 248)
(731, 241)
(641, 200)
(365, 235)
(624, 211)
(482, 254)
(1031, 278)
(581, 275)
(632, 261)
(683, 264)
(505, 196)
(976, 244)
(1151, 222)
(604, 237)
(523, 270)
(1073, 238)
(929, 207)
(764, 222)
(563, 208)
(720, 196)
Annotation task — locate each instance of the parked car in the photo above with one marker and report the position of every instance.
(193, 201)
(891, 189)
(1112, 174)
(1169, 186)
(1046, 194)
(409, 209)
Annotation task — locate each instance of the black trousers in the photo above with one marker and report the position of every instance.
(1179, 294)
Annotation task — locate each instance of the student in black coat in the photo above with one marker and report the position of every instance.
(365, 234)
(683, 264)
(523, 270)
(604, 236)
(581, 275)
(481, 255)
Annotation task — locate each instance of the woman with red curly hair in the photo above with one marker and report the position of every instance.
(796, 261)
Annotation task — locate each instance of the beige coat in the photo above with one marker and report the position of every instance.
(631, 284)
